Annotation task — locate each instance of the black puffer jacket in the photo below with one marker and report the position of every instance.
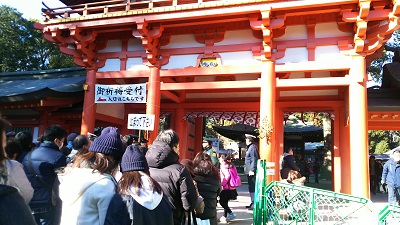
(13, 209)
(173, 177)
(209, 188)
(45, 160)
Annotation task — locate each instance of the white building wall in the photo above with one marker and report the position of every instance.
(111, 65)
(294, 33)
(183, 41)
(112, 46)
(238, 37)
(327, 30)
(294, 55)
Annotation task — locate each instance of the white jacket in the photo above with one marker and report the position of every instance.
(17, 178)
(86, 196)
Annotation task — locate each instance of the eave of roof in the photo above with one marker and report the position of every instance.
(31, 85)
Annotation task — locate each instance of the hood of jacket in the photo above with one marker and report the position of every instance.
(160, 155)
(147, 197)
(75, 183)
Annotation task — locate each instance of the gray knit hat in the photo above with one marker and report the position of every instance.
(133, 160)
(109, 142)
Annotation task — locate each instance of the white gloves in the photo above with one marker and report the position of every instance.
(251, 173)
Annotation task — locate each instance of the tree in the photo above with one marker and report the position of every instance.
(22, 48)
(375, 68)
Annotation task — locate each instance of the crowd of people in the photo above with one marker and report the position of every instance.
(113, 179)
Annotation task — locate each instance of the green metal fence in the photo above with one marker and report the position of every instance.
(389, 215)
(282, 203)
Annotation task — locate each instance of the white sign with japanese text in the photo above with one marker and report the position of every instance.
(130, 93)
(141, 121)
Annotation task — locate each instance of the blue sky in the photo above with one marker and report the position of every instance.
(31, 9)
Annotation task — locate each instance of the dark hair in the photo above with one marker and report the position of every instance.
(189, 165)
(54, 131)
(12, 148)
(287, 150)
(133, 178)
(97, 161)
(203, 165)
(4, 124)
(25, 139)
(226, 159)
(65, 150)
(79, 142)
(128, 139)
(169, 137)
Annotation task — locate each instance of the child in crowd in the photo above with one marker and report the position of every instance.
(228, 192)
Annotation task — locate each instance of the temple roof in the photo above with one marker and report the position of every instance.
(33, 85)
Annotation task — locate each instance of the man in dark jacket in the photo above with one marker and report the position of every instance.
(173, 177)
(40, 167)
(250, 163)
(288, 163)
(13, 209)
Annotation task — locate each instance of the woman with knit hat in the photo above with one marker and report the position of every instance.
(87, 189)
(140, 200)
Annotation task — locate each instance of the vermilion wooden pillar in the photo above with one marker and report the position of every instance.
(336, 167)
(180, 129)
(358, 128)
(198, 137)
(267, 110)
(89, 107)
(279, 139)
(153, 100)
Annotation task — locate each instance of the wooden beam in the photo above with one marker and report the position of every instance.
(59, 102)
(226, 106)
(310, 104)
(210, 85)
(171, 96)
(123, 74)
(313, 66)
(313, 82)
(211, 71)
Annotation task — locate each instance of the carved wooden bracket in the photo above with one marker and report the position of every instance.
(266, 24)
(150, 34)
(210, 36)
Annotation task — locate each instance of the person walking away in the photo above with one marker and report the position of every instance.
(40, 167)
(288, 163)
(304, 168)
(317, 170)
(140, 199)
(206, 176)
(208, 148)
(87, 188)
(391, 177)
(228, 192)
(250, 163)
(174, 179)
(373, 173)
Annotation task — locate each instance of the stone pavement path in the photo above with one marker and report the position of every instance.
(243, 216)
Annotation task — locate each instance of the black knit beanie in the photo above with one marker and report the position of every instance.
(109, 142)
(133, 160)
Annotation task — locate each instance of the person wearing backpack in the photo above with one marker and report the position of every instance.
(228, 192)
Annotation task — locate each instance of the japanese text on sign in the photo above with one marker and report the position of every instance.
(131, 93)
(140, 121)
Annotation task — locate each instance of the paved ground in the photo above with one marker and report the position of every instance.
(244, 216)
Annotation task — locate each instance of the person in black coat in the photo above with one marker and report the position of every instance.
(140, 199)
(173, 177)
(209, 185)
(40, 166)
(13, 209)
(288, 163)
